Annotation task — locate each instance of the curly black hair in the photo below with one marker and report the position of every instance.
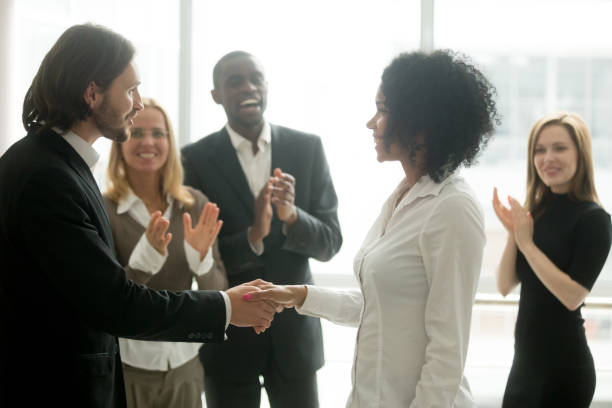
(443, 97)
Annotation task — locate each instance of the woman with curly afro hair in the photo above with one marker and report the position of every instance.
(419, 265)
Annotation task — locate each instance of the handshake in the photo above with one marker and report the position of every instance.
(255, 303)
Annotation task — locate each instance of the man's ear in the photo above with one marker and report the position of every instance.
(216, 97)
(93, 95)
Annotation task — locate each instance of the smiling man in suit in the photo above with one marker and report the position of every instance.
(278, 206)
(64, 297)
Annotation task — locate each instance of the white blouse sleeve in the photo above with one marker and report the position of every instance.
(452, 243)
(196, 266)
(339, 306)
(145, 258)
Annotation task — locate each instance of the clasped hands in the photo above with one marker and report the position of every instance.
(255, 303)
(515, 219)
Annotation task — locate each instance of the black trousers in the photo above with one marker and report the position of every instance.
(551, 384)
(282, 392)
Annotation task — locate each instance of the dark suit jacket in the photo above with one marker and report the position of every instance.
(294, 341)
(63, 295)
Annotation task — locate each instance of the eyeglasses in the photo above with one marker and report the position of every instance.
(139, 133)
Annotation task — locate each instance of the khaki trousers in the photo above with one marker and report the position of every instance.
(180, 387)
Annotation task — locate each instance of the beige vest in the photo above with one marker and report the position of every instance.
(175, 275)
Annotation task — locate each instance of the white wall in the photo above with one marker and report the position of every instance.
(6, 39)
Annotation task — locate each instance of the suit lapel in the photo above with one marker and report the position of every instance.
(282, 156)
(79, 166)
(226, 160)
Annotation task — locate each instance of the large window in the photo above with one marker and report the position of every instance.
(323, 62)
(543, 57)
(152, 25)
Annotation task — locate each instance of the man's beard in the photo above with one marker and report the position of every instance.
(105, 118)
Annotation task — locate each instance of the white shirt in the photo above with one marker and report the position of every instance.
(257, 168)
(157, 355)
(418, 270)
(83, 149)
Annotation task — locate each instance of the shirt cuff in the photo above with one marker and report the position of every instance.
(193, 260)
(228, 308)
(146, 258)
(307, 305)
(258, 247)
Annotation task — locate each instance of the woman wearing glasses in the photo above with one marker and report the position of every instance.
(164, 234)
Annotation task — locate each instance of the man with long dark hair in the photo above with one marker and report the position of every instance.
(63, 295)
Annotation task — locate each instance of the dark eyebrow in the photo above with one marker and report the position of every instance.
(234, 76)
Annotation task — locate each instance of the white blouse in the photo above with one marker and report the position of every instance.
(418, 270)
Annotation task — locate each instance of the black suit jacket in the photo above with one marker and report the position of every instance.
(63, 295)
(212, 166)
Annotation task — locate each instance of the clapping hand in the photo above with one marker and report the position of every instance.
(206, 230)
(516, 219)
(283, 196)
(523, 224)
(157, 234)
(503, 213)
(263, 215)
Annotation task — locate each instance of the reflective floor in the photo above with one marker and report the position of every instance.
(489, 357)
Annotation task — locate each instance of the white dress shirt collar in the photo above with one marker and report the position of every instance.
(130, 200)
(265, 137)
(83, 149)
(424, 187)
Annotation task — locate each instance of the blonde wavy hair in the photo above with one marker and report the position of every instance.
(582, 187)
(172, 172)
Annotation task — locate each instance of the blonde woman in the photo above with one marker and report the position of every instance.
(164, 234)
(557, 245)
